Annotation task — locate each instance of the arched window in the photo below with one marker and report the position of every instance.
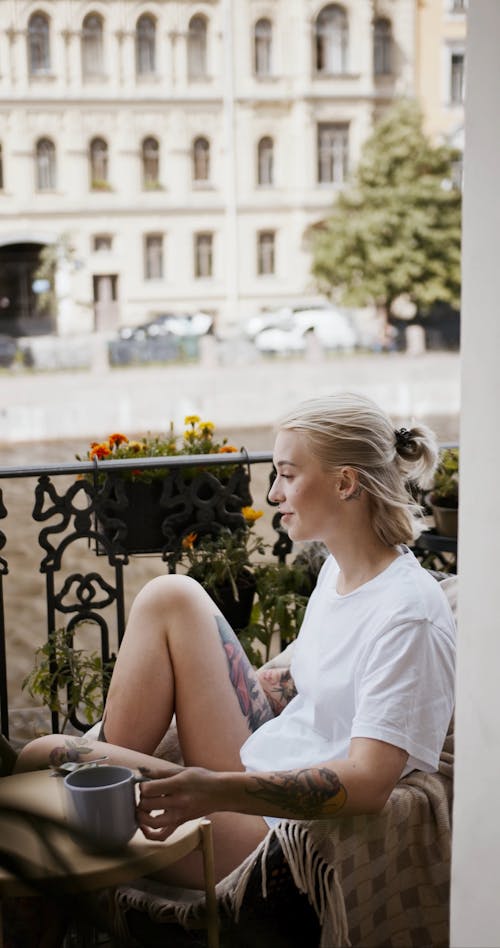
(201, 159)
(382, 47)
(150, 162)
(92, 52)
(197, 48)
(98, 155)
(38, 44)
(263, 43)
(265, 161)
(45, 165)
(145, 45)
(332, 35)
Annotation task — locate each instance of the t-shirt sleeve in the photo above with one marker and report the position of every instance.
(404, 691)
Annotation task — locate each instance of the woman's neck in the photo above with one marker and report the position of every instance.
(361, 562)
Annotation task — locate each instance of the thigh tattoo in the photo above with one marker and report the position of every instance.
(251, 697)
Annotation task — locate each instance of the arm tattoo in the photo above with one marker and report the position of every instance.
(75, 748)
(244, 679)
(279, 688)
(312, 793)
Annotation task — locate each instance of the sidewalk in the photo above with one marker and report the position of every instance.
(91, 404)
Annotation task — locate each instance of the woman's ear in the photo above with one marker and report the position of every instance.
(348, 483)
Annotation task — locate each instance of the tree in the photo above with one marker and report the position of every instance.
(395, 230)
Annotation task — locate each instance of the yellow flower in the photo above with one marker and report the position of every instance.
(251, 515)
(206, 427)
(136, 446)
(191, 419)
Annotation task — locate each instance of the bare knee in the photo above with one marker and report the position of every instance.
(172, 596)
(38, 753)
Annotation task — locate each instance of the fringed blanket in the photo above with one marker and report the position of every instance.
(379, 880)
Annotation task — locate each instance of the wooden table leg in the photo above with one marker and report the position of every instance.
(209, 874)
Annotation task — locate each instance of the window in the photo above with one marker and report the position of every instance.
(382, 47)
(145, 46)
(99, 164)
(102, 243)
(45, 165)
(458, 6)
(150, 163)
(201, 160)
(153, 257)
(263, 39)
(265, 252)
(92, 58)
(265, 162)
(38, 45)
(457, 78)
(333, 152)
(203, 255)
(197, 48)
(332, 36)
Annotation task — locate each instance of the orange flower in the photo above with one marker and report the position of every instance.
(117, 439)
(227, 449)
(189, 540)
(99, 451)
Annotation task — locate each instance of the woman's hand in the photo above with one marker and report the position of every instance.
(279, 687)
(167, 801)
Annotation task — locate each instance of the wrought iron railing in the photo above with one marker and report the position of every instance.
(93, 508)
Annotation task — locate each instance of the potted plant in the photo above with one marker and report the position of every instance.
(69, 680)
(150, 510)
(444, 493)
(223, 562)
(282, 594)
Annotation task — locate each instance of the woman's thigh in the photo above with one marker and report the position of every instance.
(180, 656)
(235, 836)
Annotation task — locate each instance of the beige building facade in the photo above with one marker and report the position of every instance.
(440, 67)
(172, 154)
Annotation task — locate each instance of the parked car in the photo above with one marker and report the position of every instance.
(331, 327)
(8, 351)
(179, 324)
(167, 337)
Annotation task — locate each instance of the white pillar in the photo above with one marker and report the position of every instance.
(475, 902)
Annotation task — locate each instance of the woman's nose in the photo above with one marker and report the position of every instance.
(274, 494)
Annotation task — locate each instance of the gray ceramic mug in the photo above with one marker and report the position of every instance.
(101, 803)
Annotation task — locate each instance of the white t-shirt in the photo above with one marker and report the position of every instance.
(377, 663)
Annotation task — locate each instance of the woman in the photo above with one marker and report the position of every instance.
(370, 693)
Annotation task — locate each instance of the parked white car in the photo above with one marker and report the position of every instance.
(332, 328)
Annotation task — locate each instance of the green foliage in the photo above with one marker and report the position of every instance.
(396, 228)
(444, 491)
(69, 679)
(282, 594)
(220, 560)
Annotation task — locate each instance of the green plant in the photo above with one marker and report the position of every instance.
(69, 679)
(198, 438)
(444, 491)
(283, 592)
(224, 558)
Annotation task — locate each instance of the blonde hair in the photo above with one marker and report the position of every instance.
(350, 430)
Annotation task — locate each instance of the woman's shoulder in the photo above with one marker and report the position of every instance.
(421, 596)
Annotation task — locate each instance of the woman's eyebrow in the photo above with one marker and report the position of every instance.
(285, 464)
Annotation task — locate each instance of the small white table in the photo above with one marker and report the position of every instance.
(41, 794)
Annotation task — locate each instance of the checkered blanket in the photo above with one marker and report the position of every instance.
(377, 880)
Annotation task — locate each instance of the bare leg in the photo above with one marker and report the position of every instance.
(180, 656)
